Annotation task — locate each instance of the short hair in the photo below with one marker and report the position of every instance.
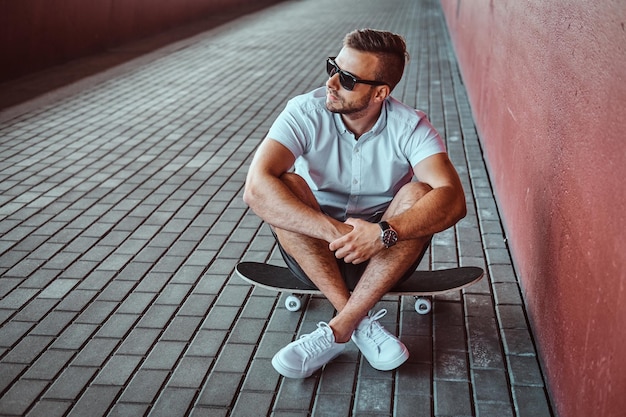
(390, 49)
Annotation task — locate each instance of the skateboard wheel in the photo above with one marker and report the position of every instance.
(293, 303)
(423, 305)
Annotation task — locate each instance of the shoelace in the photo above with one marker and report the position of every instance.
(314, 343)
(375, 331)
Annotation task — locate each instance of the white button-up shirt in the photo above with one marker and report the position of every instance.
(349, 177)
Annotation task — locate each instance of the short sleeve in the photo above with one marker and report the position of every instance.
(425, 142)
(289, 130)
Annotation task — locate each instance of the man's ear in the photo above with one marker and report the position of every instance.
(382, 92)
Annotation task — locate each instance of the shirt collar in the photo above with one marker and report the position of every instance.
(378, 127)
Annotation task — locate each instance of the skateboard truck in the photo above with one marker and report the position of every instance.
(423, 305)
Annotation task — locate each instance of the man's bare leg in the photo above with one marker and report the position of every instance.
(384, 270)
(382, 273)
(313, 255)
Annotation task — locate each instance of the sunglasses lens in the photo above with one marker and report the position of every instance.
(331, 67)
(346, 80)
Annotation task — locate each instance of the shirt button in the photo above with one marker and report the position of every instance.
(355, 181)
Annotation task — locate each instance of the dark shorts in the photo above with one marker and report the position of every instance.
(351, 273)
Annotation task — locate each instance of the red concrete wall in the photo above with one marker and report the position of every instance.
(35, 34)
(547, 85)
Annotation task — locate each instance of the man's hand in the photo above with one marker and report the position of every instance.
(360, 244)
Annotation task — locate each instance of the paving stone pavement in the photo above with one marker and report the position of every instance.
(121, 222)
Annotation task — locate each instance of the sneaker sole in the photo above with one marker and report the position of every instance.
(288, 372)
(294, 373)
(392, 364)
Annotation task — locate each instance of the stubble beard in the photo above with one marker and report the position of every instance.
(351, 108)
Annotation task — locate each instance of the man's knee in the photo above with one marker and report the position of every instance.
(299, 187)
(408, 195)
(292, 180)
(414, 191)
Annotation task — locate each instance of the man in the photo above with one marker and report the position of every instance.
(354, 184)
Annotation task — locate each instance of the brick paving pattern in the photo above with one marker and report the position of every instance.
(121, 222)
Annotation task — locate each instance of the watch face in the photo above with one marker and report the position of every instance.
(390, 237)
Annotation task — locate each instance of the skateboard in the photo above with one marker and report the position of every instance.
(421, 284)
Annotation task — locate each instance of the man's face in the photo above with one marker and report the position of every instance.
(363, 66)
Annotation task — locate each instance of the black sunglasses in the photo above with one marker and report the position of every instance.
(347, 80)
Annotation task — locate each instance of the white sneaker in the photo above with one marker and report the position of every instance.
(382, 350)
(302, 357)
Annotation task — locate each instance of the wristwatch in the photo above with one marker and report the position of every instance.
(388, 236)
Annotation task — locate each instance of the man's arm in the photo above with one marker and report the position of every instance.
(440, 208)
(273, 201)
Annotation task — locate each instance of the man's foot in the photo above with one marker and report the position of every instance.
(302, 357)
(382, 350)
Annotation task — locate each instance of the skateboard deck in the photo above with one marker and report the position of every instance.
(420, 284)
